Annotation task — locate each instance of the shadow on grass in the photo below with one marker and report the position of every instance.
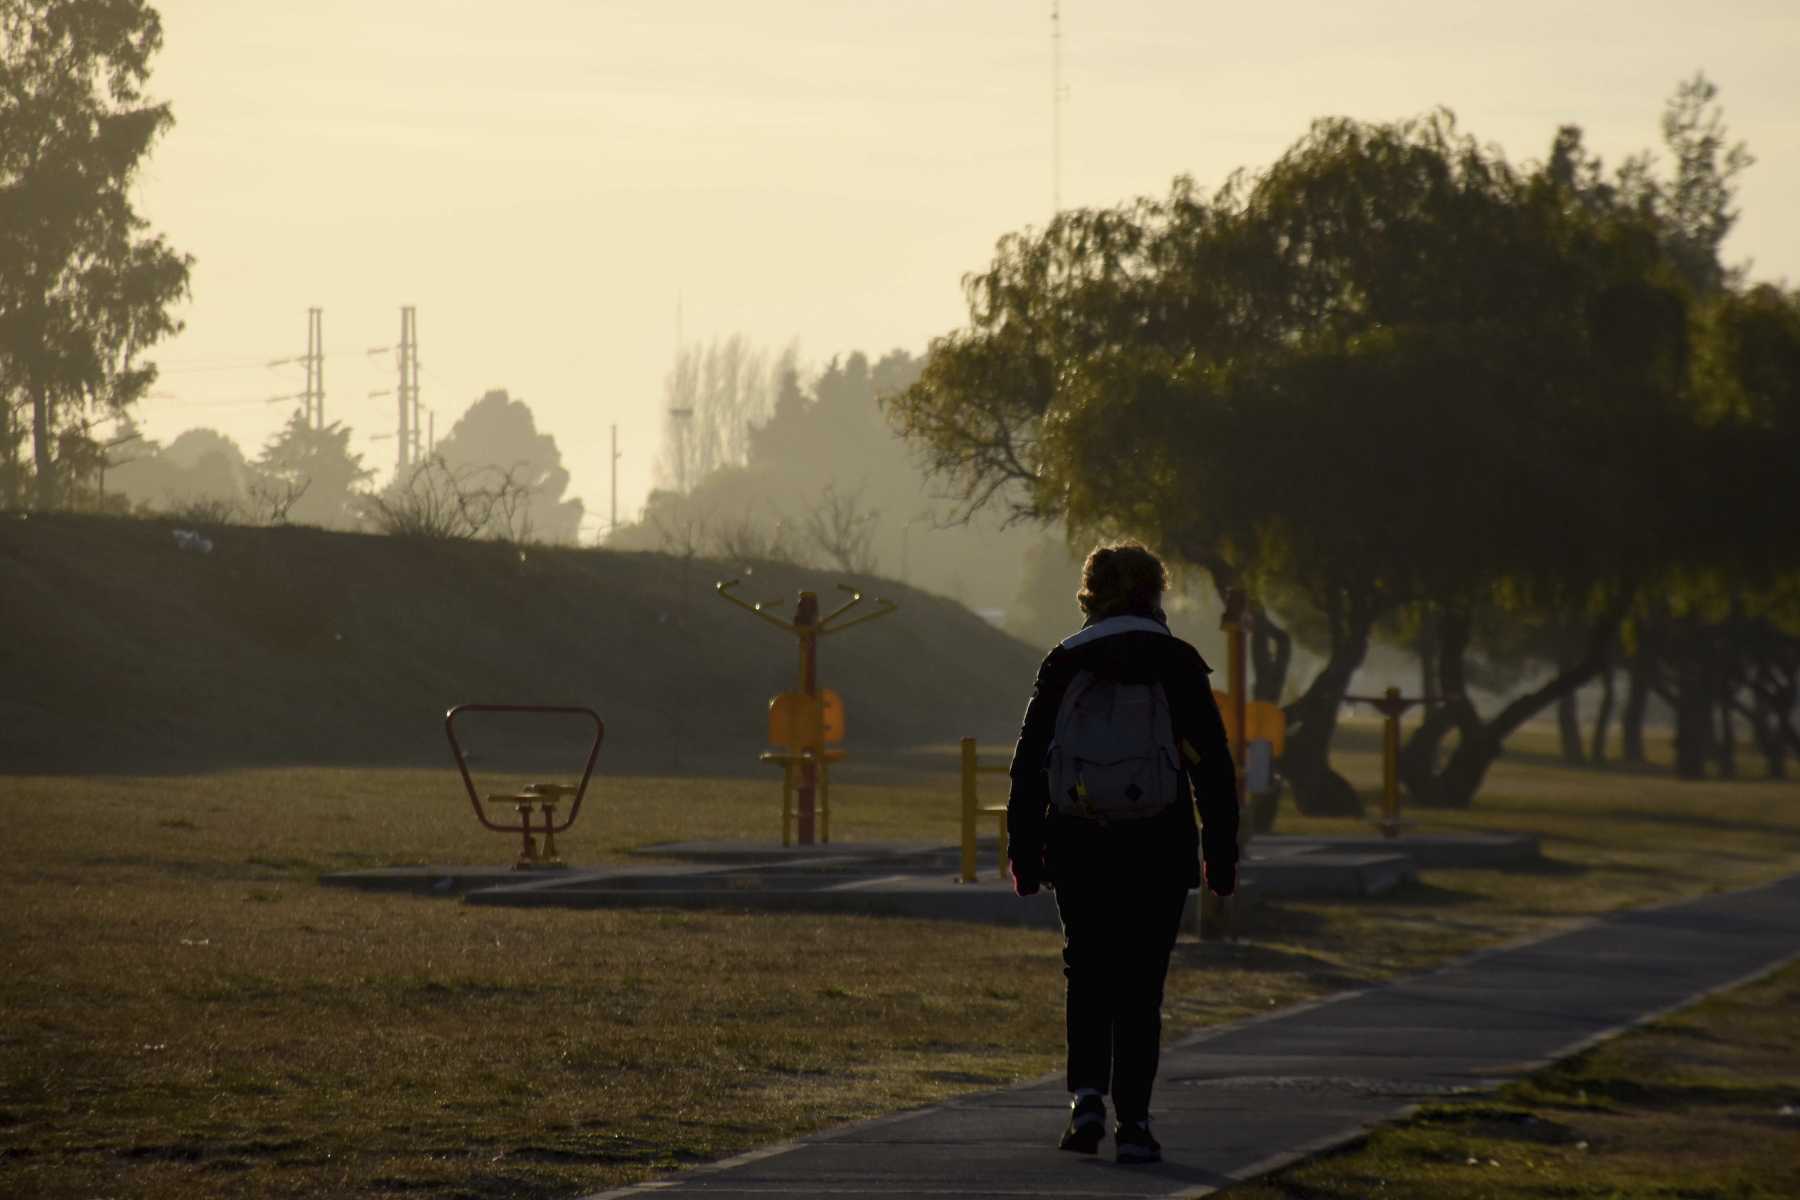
(1613, 1091)
(1681, 820)
(1501, 1123)
(1415, 893)
(1544, 867)
(1752, 766)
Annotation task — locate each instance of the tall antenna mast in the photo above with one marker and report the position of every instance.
(1056, 101)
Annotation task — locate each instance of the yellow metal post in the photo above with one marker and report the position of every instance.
(968, 810)
(1391, 704)
(1234, 626)
(787, 803)
(1215, 911)
(824, 802)
(1001, 819)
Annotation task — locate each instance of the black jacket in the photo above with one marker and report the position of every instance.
(1169, 845)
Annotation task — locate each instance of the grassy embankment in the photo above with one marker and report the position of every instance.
(190, 1014)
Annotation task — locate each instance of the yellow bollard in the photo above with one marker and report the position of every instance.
(787, 803)
(1002, 864)
(968, 810)
(972, 811)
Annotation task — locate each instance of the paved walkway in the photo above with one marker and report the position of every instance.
(1241, 1100)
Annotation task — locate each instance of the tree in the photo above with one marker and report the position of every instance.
(199, 465)
(499, 434)
(84, 290)
(437, 500)
(1696, 203)
(1368, 379)
(842, 529)
(713, 396)
(1706, 635)
(315, 470)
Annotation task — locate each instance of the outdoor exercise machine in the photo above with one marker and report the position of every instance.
(804, 722)
(545, 797)
(1390, 704)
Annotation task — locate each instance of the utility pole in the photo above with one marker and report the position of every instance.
(613, 521)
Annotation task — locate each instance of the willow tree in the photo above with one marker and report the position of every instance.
(1358, 382)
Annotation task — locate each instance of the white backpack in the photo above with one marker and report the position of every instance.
(1112, 756)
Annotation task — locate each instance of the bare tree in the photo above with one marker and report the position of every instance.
(842, 528)
(745, 537)
(712, 397)
(679, 530)
(204, 510)
(439, 501)
(271, 497)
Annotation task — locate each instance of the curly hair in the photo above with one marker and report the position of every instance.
(1121, 577)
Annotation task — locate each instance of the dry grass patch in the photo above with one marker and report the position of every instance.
(189, 1013)
(1702, 1106)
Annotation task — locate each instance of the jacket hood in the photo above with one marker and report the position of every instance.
(1112, 626)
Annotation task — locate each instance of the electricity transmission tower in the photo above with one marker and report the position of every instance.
(315, 368)
(407, 432)
(313, 397)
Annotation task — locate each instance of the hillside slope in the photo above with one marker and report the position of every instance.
(294, 645)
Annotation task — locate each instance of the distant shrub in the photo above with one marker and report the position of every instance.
(205, 510)
(439, 501)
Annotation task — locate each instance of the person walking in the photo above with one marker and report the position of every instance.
(1121, 744)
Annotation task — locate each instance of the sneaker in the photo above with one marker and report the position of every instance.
(1087, 1125)
(1134, 1143)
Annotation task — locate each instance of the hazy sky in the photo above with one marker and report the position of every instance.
(546, 180)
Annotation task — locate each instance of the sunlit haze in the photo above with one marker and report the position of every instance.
(556, 184)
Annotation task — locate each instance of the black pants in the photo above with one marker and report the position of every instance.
(1117, 934)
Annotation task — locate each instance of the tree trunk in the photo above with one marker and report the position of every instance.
(1568, 728)
(1480, 742)
(1427, 647)
(1765, 726)
(1725, 750)
(1459, 781)
(1419, 757)
(1777, 701)
(1312, 719)
(1271, 653)
(1603, 718)
(1637, 701)
(40, 447)
(1693, 713)
(11, 491)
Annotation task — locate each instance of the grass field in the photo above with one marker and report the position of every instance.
(1703, 1105)
(190, 1014)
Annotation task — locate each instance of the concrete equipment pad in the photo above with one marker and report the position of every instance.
(911, 878)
